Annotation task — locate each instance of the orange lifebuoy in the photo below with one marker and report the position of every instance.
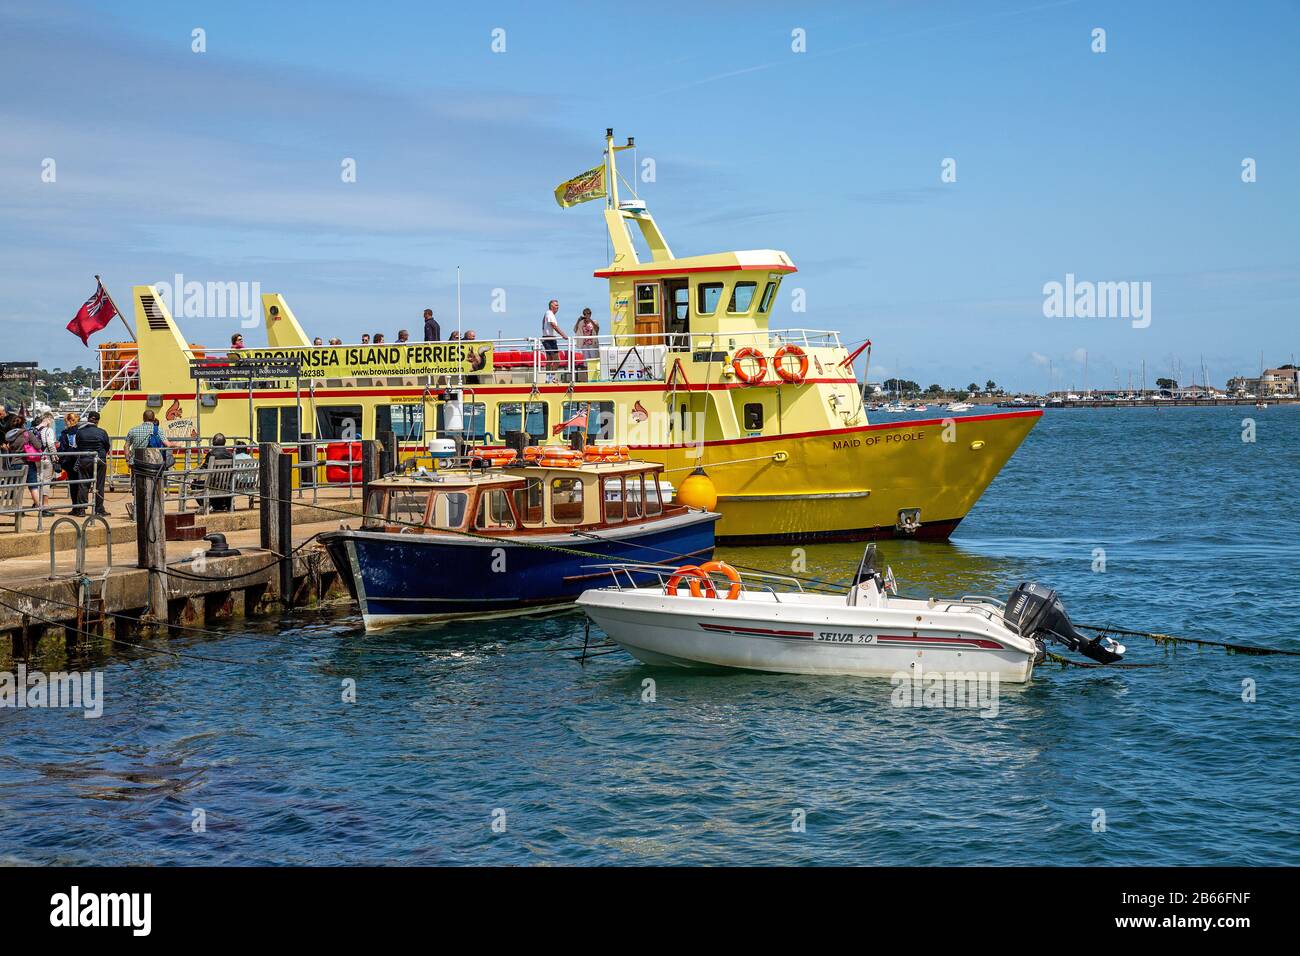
(494, 456)
(699, 580)
(741, 372)
(606, 453)
(727, 571)
(793, 377)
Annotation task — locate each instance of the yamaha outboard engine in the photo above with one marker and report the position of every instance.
(1037, 612)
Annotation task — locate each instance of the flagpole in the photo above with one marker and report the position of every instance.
(108, 295)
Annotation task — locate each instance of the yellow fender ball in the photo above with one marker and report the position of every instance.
(697, 491)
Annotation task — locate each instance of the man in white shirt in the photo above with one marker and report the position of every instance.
(550, 329)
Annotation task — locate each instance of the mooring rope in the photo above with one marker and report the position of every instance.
(1173, 639)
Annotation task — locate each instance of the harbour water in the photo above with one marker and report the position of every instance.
(458, 727)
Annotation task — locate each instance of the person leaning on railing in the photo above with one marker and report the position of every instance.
(145, 435)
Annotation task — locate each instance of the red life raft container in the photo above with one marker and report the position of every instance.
(343, 451)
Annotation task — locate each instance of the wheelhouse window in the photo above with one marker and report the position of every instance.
(647, 298)
(527, 417)
(600, 420)
(566, 500)
(407, 506)
(742, 297)
(710, 294)
(613, 496)
(449, 509)
(650, 485)
(632, 501)
(769, 294)
(528, 502)
(754, 416)
(494, 512)
(338, 422)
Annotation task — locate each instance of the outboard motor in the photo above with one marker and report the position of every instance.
(1037, 612)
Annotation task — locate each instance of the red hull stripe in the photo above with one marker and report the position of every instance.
(981, 642)
(737, 629)
(884, 426)
(483, 389)
(609, 273)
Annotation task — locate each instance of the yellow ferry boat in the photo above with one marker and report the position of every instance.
(689, 374)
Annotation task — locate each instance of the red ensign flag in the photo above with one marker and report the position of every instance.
(93, 316)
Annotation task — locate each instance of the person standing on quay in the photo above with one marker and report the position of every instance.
(90, 437)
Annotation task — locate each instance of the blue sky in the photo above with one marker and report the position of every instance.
(1115, 166)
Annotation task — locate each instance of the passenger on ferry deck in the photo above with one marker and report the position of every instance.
(379, 338)
(550, 329)
(236, 341)
(365, 339)
(318, 341)
(403, 336)
(432, 331)
(585, 332)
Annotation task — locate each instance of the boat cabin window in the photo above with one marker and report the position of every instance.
(742, 297)
(407, 505)
(632, 502)
(335, 422)
(613, 496)
(405, 421)
(710, 294)
(600, 420)
(566, 500)
(769, 293)
(449, 509)
(467, 420)
(494, 512)
(527, 417)
(528, 502)
(754, 416)
(650, 485)
(647, 298)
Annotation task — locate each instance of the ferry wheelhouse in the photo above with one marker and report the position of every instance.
(689, 372)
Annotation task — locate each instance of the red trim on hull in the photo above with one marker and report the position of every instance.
(610, 273)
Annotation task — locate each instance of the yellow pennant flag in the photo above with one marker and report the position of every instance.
(582, 188)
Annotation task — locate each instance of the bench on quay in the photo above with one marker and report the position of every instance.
(13, 483)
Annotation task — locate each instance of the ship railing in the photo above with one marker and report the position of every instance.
(608, 357)
(16, 489)
(979, 604)
(753, 581)
(317, 470)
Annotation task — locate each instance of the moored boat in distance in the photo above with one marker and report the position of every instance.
(689, 370)
(507, 536)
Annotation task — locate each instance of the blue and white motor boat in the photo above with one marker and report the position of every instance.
(496, 540)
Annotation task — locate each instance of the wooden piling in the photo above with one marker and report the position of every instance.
(284, 530)
(150, 535)
(269, 492)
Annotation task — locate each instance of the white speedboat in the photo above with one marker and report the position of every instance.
(960, 407)
(713, 617)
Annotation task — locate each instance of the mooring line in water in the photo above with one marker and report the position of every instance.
(1124, 665)
(1172, 639)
